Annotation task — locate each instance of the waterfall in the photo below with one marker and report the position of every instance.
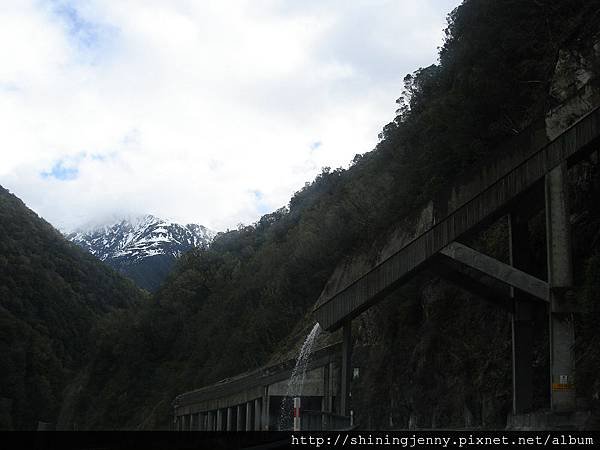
(296, 382)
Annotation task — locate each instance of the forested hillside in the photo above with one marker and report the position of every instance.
(51, 294)
(229, 308)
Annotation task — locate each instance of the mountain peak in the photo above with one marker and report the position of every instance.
(127, 242)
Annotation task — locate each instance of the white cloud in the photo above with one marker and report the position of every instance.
(188, 109)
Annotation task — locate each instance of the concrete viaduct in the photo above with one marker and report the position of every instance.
(252, 401)
(528, 174)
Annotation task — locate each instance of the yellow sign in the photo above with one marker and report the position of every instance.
(562, 386)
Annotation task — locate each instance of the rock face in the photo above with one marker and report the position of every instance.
(573, 88)
(143, 248)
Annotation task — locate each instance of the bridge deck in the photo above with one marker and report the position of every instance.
(248, 386)
(353, 289)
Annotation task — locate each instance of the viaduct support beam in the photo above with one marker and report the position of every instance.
(458, 274)
(219, 420)
(257, 414)
(331, 386)
(522, 319)
(248, 416)
(265, 409)
(560, 277)
(229, 425)
(346, 368)
(326, 402)
(211, 421)
(497, 269)
(239, 425)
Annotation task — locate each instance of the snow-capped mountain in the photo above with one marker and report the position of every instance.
(143, 248)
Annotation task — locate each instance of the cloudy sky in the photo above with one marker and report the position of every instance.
(213, 112)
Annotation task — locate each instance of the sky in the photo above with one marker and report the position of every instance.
(197, 111)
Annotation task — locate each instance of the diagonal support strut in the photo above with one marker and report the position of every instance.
(458, 274)
(497, 269)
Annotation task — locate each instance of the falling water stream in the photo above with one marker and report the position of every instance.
(296, 382)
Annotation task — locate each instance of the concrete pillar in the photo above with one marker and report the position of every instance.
(219, 420)
(327, 401)
(560, 279)
(522, 319)
(330, 403)
(325, 396)
(297, 418)
(229, 424)
(257, 414)
(211, 421)
(265, 409)
(239, 426)
(346, 368)
(412, 421)
(249, 416)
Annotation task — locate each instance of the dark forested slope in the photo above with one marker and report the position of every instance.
(51, 295)
(227, 309)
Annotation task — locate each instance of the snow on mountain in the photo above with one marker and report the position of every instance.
(141, 238)
(143, 247)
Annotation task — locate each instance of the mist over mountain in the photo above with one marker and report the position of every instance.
(143, 248)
